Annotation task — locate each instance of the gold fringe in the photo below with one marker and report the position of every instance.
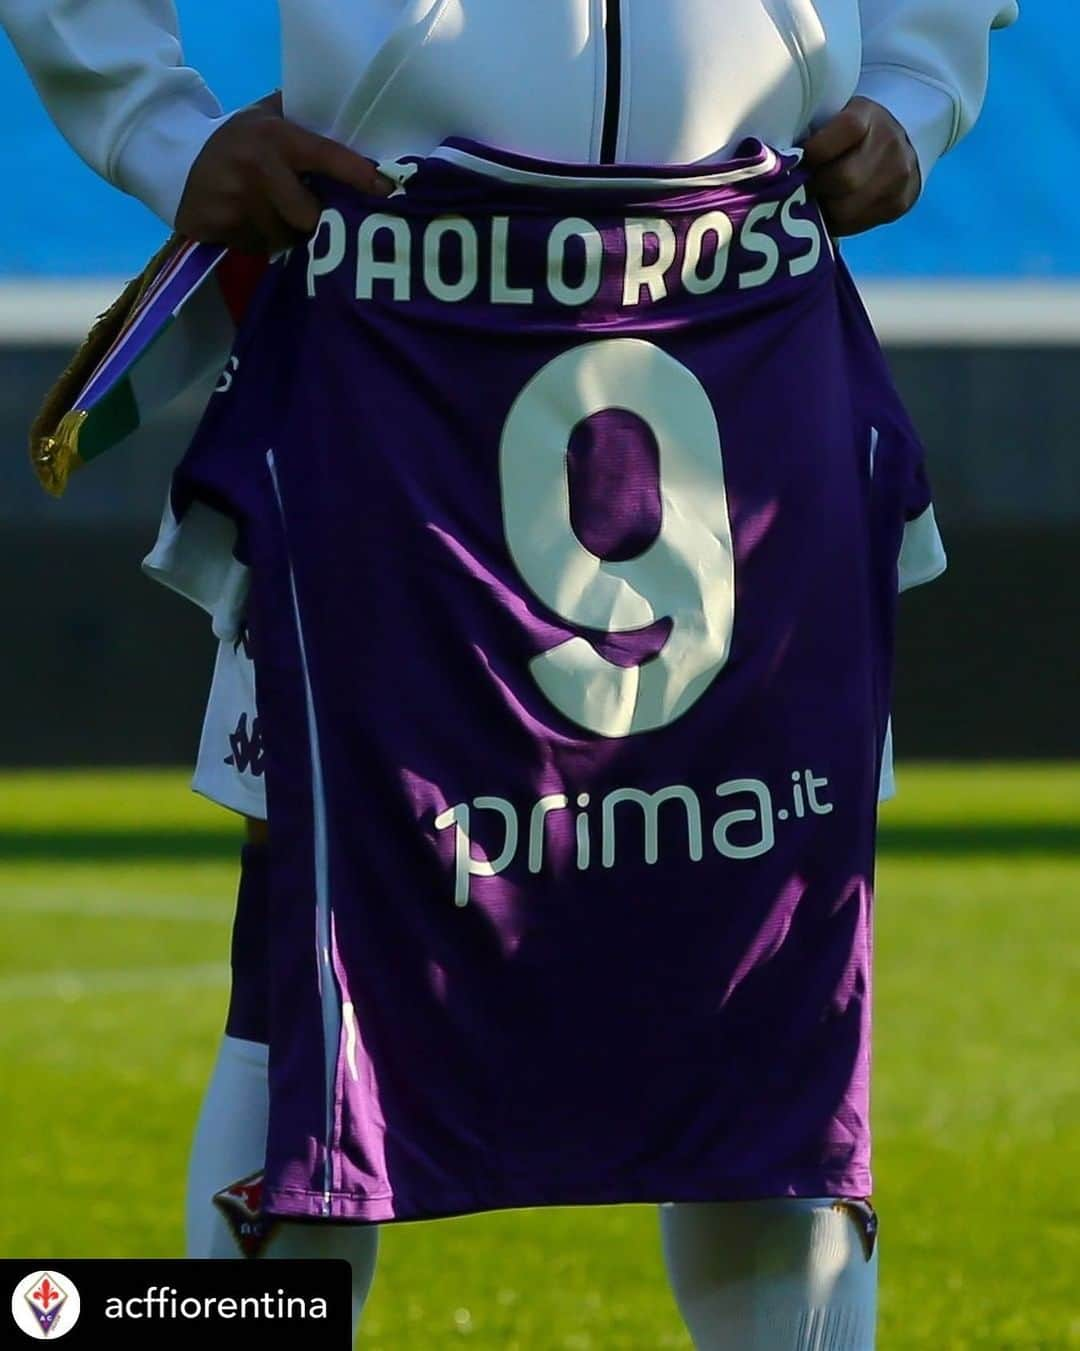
(56, 456)
(54, 433)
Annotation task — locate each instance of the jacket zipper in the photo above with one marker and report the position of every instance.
(609, 135)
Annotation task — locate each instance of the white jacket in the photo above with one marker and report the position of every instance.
(581, 80)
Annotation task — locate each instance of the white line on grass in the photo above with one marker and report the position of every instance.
(117, 907)
(68, 986)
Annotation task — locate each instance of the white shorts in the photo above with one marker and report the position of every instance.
(230, 764)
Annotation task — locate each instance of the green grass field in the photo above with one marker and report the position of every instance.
(116, 894)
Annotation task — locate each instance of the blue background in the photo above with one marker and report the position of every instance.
(1005, 204)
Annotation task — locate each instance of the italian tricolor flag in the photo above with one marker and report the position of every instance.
(173, 325)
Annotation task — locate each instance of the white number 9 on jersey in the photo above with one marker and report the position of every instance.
(687, 574)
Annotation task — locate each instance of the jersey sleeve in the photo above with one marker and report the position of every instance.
(927, 62)
(197, 555)
(223, 482)
(113, 79)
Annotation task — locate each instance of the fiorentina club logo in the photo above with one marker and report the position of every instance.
(45, 1305)
(241, 1206)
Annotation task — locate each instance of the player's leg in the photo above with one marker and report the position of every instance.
(230, 1138)
(224, 1217)
(224, 1213)
(775, 1275)
(227, 1152)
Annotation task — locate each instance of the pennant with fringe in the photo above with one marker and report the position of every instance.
(171, 326)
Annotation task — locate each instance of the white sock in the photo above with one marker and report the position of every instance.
(228, 1151)
(776, 1275)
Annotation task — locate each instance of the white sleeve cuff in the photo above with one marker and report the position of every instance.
(927, 111)
(922, 553)
(155, 158)
(194, 557)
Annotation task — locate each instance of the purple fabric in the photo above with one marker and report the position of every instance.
(688, 1019)
(249, 998)
(613, 468)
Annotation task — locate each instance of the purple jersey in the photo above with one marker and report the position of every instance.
(573, 499)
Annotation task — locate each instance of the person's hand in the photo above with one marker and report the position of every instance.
(246, 188)
(864, 170)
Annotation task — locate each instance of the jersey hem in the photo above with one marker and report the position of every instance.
(383, 1209)
(222, 795)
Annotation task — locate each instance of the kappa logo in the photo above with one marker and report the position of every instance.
(399, 171)
(227, 376)
(242, 642)
(247, 747)
(46, 1305)
(241, 1206)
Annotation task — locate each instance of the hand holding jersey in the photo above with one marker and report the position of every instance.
(246, 187)
(865, 171)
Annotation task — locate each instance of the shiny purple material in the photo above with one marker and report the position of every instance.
(650, 998)
(249, 997)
